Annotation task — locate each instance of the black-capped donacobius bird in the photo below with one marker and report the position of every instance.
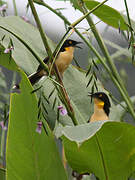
(63, 60)
(101, 106)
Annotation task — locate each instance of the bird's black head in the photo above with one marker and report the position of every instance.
(103, 99)
(69, 43)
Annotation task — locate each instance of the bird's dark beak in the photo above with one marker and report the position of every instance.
(77, 45)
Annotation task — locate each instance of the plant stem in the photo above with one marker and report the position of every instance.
(58, 76)
(104, 50)
(86, 14)
(15, 8)
(125, 97)
(129, 21)
(43, 36)
(114, 76)
(3, 134)
(65, 98)
(131, 42)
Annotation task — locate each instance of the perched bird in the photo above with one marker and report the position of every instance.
(101, 106)
(63, 59)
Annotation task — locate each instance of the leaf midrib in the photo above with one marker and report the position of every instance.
(102, 157)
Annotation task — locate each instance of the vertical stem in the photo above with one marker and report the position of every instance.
(2, 149)
(127, 13)
(104, 50)
(66, 98)
(58, 76)
(15, 8)
(131, 31)
(87, 13)
(43, 36)
(112, 76)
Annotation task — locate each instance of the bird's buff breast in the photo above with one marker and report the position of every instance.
(98, 115)
(64, 59)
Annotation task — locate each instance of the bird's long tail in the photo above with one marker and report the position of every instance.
(35, 77)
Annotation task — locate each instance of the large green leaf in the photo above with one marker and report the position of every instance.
(107, 14)
(23, 32)
(2, 174)
(30, 155)
(105, 149)
(16, 29)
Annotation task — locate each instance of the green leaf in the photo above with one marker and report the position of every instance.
(106, 149)
(21, 54)
(29, 154)
(78, 94)
(23, 32)
(6, 60)
(2, 174)
(107, 14)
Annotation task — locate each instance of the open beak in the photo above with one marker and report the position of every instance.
(77, 45)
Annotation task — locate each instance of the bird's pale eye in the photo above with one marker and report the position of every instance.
(70, 42)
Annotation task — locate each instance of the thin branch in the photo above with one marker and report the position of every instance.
(118, 81)
(43, 36)
(58, 76)
(15, 8)
(87, 13)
